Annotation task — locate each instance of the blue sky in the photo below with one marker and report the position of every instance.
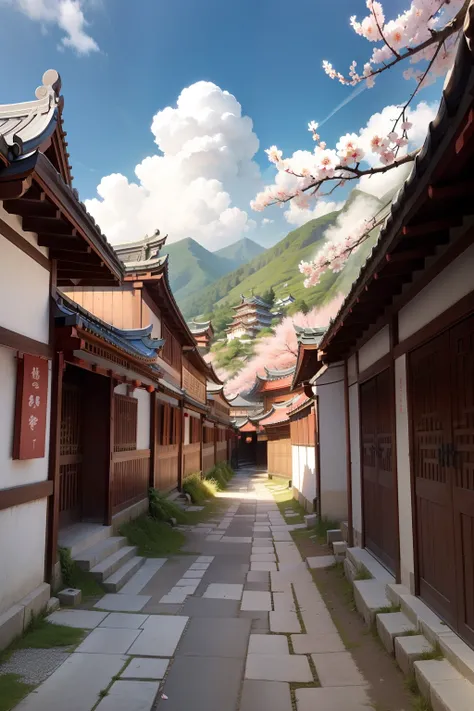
(267, 53)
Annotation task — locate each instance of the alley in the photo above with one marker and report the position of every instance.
(240, 625)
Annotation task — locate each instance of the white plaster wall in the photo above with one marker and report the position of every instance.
(17, 472)
(330, 391)
(24, 284)
(376, 348)
(446, 289)
(143, 418)
(187, 430)
(355, 458)
(304, 471)
(403, 474)
(156, 323)
(22, 550)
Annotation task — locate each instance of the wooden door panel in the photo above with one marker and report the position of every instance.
(430, 402)
(379, 486)
(462, 467)
(70, 455)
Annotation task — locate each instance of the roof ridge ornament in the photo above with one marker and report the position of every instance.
(51, 82)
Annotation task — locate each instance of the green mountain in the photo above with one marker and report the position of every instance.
(277, 267)
(192, 267)
(241, 252)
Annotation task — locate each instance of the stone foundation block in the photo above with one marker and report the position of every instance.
(369, 597)
(409, 650)
(339, 549)
(311, 520)
(70, 597)
(11, 624)
(391, 625)
(430, 672)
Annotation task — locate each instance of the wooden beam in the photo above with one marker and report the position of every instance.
(63, 256)
(51, 225)
(402, 270)
(445, 192)
(69, 242)
(18, 495)
(409, 255)
(427, 228)
(11, 190)
(18, 342)
(27, 207)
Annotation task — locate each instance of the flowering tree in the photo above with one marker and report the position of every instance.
(280, 349)
(425, 36)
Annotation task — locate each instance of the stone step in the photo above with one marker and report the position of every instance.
(410, 649)
(443, 686)
(333, 534)
(79, 536)
(339, 549)
(391, 625)
(361, 558)
(109, 565)
(91, 557)
(117, 580)
(369, 597)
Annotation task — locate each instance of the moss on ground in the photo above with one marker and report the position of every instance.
(12, 691)
(154, 539)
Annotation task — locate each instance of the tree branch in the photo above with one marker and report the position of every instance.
(393, 51)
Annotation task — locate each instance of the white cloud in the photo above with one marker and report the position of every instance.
(199, 184)
(66, 14)
(385, 183)
(381, 124)
(362, 208)
(266, 221)
(299, 215)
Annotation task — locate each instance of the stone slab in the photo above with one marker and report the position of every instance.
(209, 607)
(75, 686)
(256, 600)
(284, 601)
(143, 576)
(321, 561)
(11, 624)
(195, 574)
(70, 597)
(316, 643)
(281, 535)
(187, 582)
(263, 558)
(258, 576)
(224, 591)
(160, 636)
(278, 667)
(124, 620)
(286, 622)
(216, 637)
(433, 671)
(212, 684)
(205, 559)
(353, 698)
(274, 644)
(265, 696)
(127, 695)
(449, 695)
(199, 566)
(118, 602)
(104, 640)
(263, 566)
(337, 669)
(82, 619)
(390, 625)
(145, 668)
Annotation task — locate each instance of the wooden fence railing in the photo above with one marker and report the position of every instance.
(167, 467)
(207, 457)
(191, 458)
(130, 478)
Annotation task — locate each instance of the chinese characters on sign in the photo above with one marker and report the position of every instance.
(30, 415)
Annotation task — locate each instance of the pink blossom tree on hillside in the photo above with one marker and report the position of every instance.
(280, 350)
(425, 37)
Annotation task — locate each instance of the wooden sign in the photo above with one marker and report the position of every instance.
(31, 408)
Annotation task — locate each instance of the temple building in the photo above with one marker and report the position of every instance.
(203, 333)
(250, 316)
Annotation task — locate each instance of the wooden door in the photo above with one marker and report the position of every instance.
(70, 455)
(430, 404)
(460, 458)
(379, 493)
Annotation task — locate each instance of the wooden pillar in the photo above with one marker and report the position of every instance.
(53, 473)
(348, 456)
(153, 443)
(181, 450)
(110, 473)
(201, 417)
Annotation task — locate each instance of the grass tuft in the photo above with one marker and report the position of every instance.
(12, 691)
(74, 577)
(153, 538)
(42, 634)
(363, 574)
(435, 653)
(162, 509)
(388, 609)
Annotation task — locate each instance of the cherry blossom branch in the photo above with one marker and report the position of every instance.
(376, 19)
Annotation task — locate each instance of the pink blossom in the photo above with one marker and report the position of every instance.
(387, 157)
(274, 154)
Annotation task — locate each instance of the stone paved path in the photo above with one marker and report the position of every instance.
(239, 626)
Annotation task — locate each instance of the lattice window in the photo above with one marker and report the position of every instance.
(125, 423)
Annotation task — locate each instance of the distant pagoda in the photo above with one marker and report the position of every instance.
(203, 333)
(251, 315)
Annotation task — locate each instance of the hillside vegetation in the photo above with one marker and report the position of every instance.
(277, 267)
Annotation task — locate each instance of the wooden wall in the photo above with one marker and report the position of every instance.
(120, 306)
(279, 451)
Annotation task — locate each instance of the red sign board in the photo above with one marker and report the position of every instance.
(31, 408)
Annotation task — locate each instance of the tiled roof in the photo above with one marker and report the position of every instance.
(137, 342)
(309, 336)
